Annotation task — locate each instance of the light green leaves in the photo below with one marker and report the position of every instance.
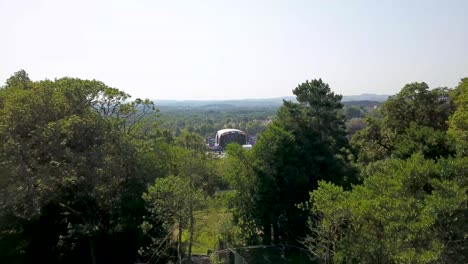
(405, 212)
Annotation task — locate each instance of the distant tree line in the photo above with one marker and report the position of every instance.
(206, 121)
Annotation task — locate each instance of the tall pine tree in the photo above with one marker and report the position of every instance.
(306, 143)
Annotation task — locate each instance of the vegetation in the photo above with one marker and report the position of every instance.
(89, 176)
(206, 120)
(412, 204)
(71, 179)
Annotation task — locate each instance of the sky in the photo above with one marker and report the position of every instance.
(198, 50)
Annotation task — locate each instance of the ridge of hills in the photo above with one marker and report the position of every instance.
(263, 102)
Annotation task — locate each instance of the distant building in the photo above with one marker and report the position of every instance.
(225, 137)
(247, 147)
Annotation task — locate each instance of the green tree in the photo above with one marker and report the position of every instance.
(279, 186)
(305, 144)
(415, 103)
(458, 122)
(408, 211)
(239, 173)
(414, 120)
(374, 142)
(19, 80)
(68, 182)
(319, 131)
(428, 141)
(171, 201)
(196, 173)
(355, 125)
(352, 112)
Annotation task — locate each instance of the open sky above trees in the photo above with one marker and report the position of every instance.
(237, 49)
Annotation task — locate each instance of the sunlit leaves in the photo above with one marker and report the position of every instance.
(459, 120)
(405, 212)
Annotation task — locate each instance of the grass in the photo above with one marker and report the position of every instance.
(208, 223)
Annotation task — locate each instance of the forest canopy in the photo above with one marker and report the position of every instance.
(90, 175)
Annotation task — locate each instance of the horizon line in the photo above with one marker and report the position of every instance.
(257, 98)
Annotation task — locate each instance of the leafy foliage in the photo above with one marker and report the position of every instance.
(206, 120)
(414, 120)
(171, 201)
(86, 175)
(411, 205)
(415, 103)
(306, 143)
(405, 212)
(69, 187)
(459, 120)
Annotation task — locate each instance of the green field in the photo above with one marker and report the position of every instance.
(208, 223)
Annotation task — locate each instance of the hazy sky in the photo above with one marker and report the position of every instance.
(237, 49)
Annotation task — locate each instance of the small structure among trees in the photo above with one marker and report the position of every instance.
(225, 137)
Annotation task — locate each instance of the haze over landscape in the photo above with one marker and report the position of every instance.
(218, 132)
(200, 50)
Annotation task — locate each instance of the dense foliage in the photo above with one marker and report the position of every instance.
(414, 120)
(412, 205)
(69, 182)
(206, 120)
(406, 211)
(89, 176)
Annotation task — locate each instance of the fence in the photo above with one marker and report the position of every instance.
(230, 256)
(277, 254)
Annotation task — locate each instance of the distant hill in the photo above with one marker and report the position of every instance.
(365, 103)
(366, 97)
(267, 102)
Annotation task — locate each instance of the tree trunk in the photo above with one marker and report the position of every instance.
(275, 233)
(91, 247)
(179, 241)
(192, 222)
(267, 231)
